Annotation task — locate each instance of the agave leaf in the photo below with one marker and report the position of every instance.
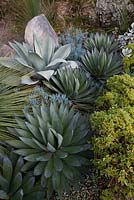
(43, 136)
(24, 133)
(38, 170)
(67, 171)
(28, 184)
(4, 183)
(61, 154)
(63, 52)
(26, 80)
(3, 195)
(25, 152)
(39, 144)
(49, 169)
(60, 140)
(50, 148)
(29, 142)
(31, 119)
(7, 169)
(56, 180)
(73, 149)
(73, 161)
(44, 157)
(18, 195)
(19, 165)
(35, 157)
(46, 74)
(38, 195)
(58, 165)
(37, 62)
(22, 62)
(50, 137)
(16, 183)
(45, 49)
(34, 131)
(55, 62)
(17, 144)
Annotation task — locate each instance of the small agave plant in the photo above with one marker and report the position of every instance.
(53, 139)
(13, 184)
(38, 62)
(101, 65)
(76, 86)
(99, 40)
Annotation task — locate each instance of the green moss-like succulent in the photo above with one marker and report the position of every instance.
(114, 151)
(113, 143)
(53, 138)
(120, 93)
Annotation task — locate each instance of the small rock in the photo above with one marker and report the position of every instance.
(39, 26)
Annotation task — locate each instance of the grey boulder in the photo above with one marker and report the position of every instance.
(40, 27)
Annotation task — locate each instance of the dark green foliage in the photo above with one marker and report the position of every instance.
(99, 40)
(53, 138)
(13, 184)
(101, 65)
(76, 86)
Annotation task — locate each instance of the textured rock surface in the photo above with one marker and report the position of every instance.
(109, 11)
(6, 50)
(39, 26)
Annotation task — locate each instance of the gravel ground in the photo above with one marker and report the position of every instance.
(88, 189)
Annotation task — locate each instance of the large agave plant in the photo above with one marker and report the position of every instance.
(75, 85)
(53, 138)
(38, 62)
(101, 65)
(99, 40)
(13, 184)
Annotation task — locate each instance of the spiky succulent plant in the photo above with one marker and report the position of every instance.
(101, 65)
(54, 139)
(76, 86)
(13, 184)
(38, 62)
(99, 40)
(12, 100)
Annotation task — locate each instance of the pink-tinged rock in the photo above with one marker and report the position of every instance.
(6, 50)
(39, 26)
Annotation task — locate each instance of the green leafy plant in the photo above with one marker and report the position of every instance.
(76, 86)
(120, 93)
(101, 65)
(53, 138)
(38, 62)
(24, 10)
(12, 100)
(128, 59)
(13, 184)
(101, 40)
(113, 146)
(113, 142)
